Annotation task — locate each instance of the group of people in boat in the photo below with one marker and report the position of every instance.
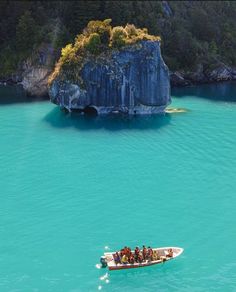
(126, 256)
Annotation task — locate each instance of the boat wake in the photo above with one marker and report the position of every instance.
(98, 266)
(105, 279)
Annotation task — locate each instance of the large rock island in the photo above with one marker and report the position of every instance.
(111, 70)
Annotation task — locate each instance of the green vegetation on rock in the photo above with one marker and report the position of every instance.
(98, 37)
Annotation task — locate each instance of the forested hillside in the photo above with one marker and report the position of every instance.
(192, 32)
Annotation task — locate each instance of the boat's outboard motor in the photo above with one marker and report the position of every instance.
(103, 262)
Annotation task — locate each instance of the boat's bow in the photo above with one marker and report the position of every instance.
(177, 251)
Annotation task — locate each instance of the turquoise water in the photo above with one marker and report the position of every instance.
(70, 186)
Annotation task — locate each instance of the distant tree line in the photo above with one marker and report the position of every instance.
(192, 32)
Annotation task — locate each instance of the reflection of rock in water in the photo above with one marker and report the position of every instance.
(59, 119)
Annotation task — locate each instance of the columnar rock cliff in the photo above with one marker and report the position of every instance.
(133, 80)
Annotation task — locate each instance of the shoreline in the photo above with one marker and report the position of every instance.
(185, 78)
(19, 94)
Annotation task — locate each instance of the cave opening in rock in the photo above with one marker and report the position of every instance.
(90, 110)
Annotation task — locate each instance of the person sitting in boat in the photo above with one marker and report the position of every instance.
(144, 252)
(122, 252)
(155, 255)
(149, 253)
(129, 251)
(140, 257)
(117, 258)
(170, 253)
(125, 250)
(124, 259)
(136, 253)
(131, 259)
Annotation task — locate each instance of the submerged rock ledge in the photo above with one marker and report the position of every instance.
(132, 80)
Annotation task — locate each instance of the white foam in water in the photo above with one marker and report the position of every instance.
(98, 266)
(99, 287)
(106, 247)
(104, 277)
(107, 281)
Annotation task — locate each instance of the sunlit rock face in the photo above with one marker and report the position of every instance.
(133, 80)
(36, 70)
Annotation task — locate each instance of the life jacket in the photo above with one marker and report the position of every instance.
(124, 259)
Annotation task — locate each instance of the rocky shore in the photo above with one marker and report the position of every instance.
(33, 73)
(222, 72)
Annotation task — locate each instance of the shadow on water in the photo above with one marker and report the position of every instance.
(225, 91)
(10, 94)
(59, 119)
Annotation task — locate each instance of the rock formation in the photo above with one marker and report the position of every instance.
(33, 72)
(133, 80)
(36, 70)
